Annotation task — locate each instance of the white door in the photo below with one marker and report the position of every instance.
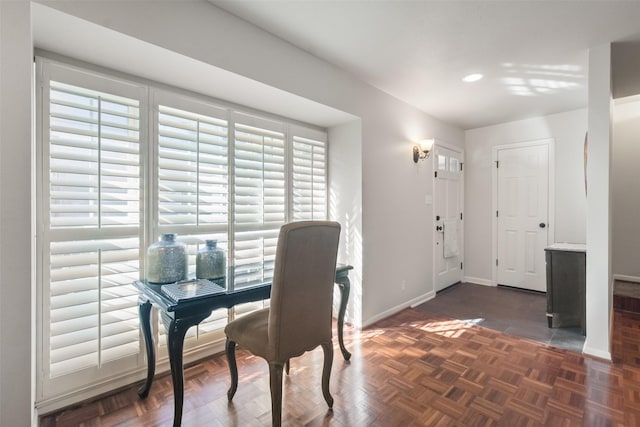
(523, 176)
(448, 216)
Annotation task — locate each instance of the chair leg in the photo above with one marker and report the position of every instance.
(326, 372)
(230, 348)
(275, 378)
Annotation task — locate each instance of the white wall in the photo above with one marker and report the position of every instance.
(625, 198)
(16, 363)
(625, 69)
(568, 131)
(599, 204)
(397, 224)
(345, 206)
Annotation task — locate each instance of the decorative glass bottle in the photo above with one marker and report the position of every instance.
(167, 260)
(211, 263)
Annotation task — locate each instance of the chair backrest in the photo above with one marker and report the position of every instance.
(300, 316)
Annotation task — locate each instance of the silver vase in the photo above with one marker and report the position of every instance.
(167, 260)
(211, 263)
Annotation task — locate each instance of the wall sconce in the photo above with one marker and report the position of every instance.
(422, 149)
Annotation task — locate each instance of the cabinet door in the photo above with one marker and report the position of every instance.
(565, 292)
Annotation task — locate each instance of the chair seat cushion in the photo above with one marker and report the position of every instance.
(250, 331)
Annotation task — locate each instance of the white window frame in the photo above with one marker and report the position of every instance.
(314, 135)
(44, 235)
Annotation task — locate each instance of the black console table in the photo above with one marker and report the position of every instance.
(178, 317)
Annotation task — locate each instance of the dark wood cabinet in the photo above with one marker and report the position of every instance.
(566, 285)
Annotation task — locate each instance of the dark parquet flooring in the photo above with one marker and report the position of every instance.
(412, 369)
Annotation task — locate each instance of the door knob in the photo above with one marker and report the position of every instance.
(439, 228)
(542, 225)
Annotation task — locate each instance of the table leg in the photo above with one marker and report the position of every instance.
(176, 330)
(345, 288)
(144, 314)
(175, 342)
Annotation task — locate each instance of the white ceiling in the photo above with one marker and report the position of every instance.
(533, 54)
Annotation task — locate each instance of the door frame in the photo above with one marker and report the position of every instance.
(439, 143)
(551, 218)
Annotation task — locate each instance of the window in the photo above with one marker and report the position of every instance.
(259, 197)
(454, 164)
(120, 163)
(192, 176)
(89, 216)
(309, 175)
(442, 162)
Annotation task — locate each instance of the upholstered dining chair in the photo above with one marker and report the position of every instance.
(300, 314)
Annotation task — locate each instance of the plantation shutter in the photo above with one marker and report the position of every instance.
(309, 174)
(259, 197)
(193, 183)
(93, 307)
(192, 168)
(94, 158)
(90, 222)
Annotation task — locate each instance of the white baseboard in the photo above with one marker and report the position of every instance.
(626, 278)
(477, 281)
(46, 406)
(390, 312)
(606, 355)
(74, 397)
(424, 298)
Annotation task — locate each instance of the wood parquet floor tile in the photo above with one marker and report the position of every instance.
(412, 369)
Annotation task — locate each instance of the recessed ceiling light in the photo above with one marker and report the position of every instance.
(472, 78)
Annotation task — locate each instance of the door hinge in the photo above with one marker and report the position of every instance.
(435, 174)
(496, 262)
(461, 164)
(497, 164)
(460, 216)
(496, 214)
(460, 266)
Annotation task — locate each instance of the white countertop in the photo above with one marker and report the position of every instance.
(570, 247)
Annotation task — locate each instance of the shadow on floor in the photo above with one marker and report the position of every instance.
(512, 311)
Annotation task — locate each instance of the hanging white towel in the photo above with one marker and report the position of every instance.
(450, 238)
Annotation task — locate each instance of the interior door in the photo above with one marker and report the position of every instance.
(448, 211)
(523, 176)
